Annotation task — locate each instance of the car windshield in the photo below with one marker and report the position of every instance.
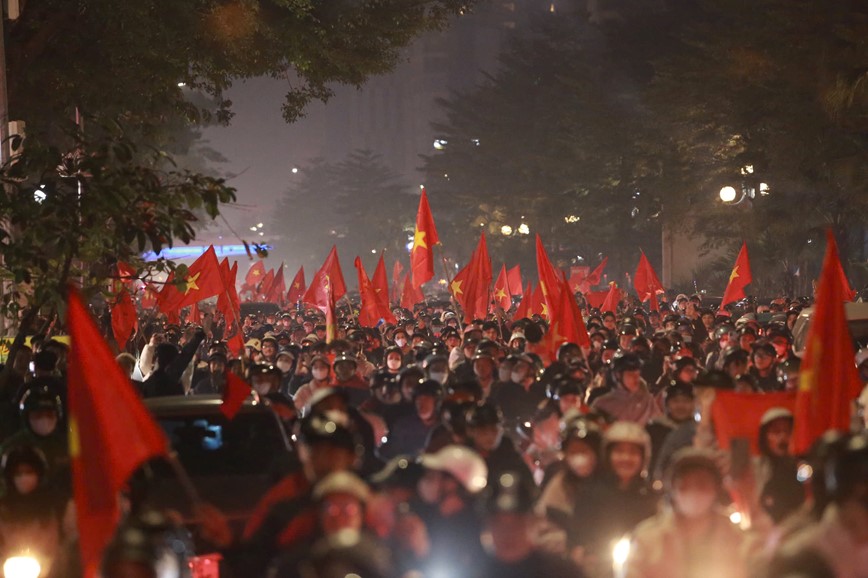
(211, 445)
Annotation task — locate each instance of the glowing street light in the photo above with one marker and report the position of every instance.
(523, 229)
(727, 194)
(506, 230)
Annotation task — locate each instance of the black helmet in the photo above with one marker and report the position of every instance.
(24, 454)
(734, 355)
(484, 414)
(328, 427)
(265, 369)
(677, 388)
(723, 330)
(581, 428)
(788, 368)
(822, 458)
(626, 361)
(430, 388)
(40, 397)
(562, 385)
(714, 378)
(509, 493)
(628, 329)
(685, 361)
(380, 379)
(850, 470)
(401, 472)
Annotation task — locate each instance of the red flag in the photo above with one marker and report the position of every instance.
(424, 239)
(578, 275)
(278, 287)
(110, 433)
(381, 282)
(738, 279)
(596, 275)
(149, 296)
(235, 393)
(646, 282)
(126, 277)
(254, 276)
(228, 302)
(471, 285)
(410, 295)
(738, 415)
(596, 299)
(513, 278)
(612, 299)
(828, 380)
(125, 319)
(264, 285)
(849, 294)
(326, 288)
(572, 324)
(502, 297)
(396, 281)
(538, 305)
(523, 310)
(203, 280)
(549, 278)
(297, 289)
(235, 344)
(374, 307)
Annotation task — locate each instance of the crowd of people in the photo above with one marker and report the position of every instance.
(436, 447)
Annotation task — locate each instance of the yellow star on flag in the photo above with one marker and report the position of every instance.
(456, 287)
(191, 283)
(545, 290)
(734, 273)
(500, 293)
(419, 240)
(545, 309)
(297, 285)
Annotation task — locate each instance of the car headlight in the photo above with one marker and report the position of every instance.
(21, 567)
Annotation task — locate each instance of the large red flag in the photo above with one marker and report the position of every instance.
(424, 239)
(298, 287)
(738, 279)
(538, 305)
(124, 318)
(110, 434)
(228, 302)
(397, 269)
(381, 282)
(202, 280)
(828, 380)
(523, 310)
(849, 294)
(235, 393)
(513, 278)
(410, 295)
(612, 299)
(502, 297)
(738, 415)
(572, 323)
(326, 288)
(471, 285)
(278, 287)
(549, 278)
(374, 307)
(254, 276)
(646, 282)
(265, 285)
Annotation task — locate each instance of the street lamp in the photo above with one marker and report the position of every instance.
(506, 230)
(523, 229)
(727, 194)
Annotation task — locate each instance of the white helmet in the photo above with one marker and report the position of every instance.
(631, 433)
(461, 463)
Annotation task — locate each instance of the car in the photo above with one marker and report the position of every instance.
(857, 321)
(231, 464)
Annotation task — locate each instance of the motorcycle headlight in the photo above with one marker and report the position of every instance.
(21, 567)
(620, 553)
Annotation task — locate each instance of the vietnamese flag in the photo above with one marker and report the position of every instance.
(111, 434)
(410, 295)
(572, 323)
(264, 285)
(738, 415)
(513, 279)
(549, 278)
(149, 296)
(538, 305)
(596, 275)
(424, 239)
(235, 344)
(646, 282)
(610, 303)
(125, 319)
(278, 287)
(381, 282)
(502, 296)
(298, 287)
(228, 302)
(254, 276)
(828, 380)
(373, 307)
(471, 285)
(849, 294)
(523, 310)
(202, 280)
(326, 288)
(235, 393)
(738, 279)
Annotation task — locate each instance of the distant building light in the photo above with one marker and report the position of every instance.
(506, 230)
(747, 170)
(523, 229)
(764, 188)
(727, 194)
(572, 219)
(182, 84)
(294, 170)
(440, 144)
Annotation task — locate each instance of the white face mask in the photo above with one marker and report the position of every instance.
(319, 373)
(284, 366)
(25, 483)
(693, 504)
(503, 374)
(516, 376)
(393, 363)
(43, 426)
(581, 464)
(400, 342)
(439, 376)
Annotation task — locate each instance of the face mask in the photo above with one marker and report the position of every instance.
(439, 376)
(694, 504)
(504, 374)
(516, 376)
(25, 483)
(393, 363)
(43, 426)
(400, 342)
(581, 464)
(284, 366)
(319, 373)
